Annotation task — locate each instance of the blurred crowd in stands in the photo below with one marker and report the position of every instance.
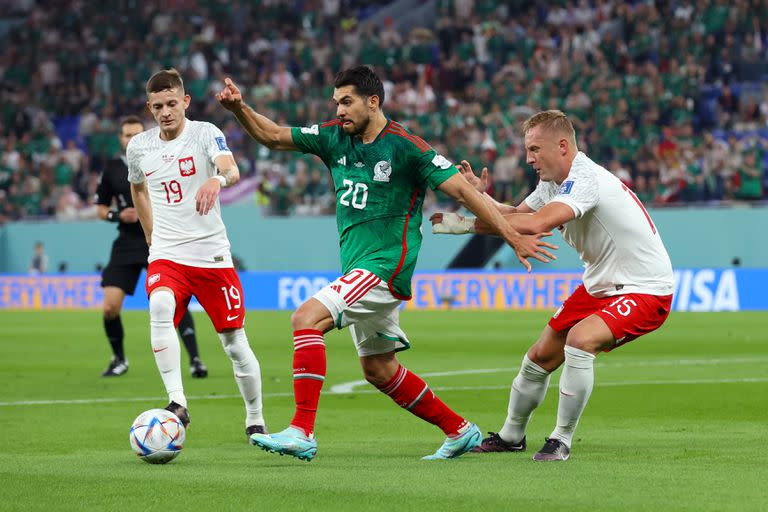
(668, 95)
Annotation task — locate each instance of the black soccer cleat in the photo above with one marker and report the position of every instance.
(494, 443)
(180, 411)
(255, 429)
(197, 369)
(116, 368)
(553, 450)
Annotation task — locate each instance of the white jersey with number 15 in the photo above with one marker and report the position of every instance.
(615, 237)
(174, 171)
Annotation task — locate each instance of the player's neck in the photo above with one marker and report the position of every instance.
(172, 134)
(565, 170)
(377, 124)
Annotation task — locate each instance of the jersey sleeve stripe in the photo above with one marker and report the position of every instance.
(330, 123)
(415, 139)
(404, 250)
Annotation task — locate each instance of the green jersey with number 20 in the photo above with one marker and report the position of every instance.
(380, 189)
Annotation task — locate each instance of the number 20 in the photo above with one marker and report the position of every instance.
(354, 189)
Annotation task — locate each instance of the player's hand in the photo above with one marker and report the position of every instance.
(230, 96)
(452, 224)
(532, 246)
(207, 195)
(129, 216)
(480, 184)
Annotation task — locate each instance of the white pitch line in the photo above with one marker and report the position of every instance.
(374, 391)
(349, 387)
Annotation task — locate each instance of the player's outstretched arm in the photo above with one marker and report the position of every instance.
(140, 196)
(525, 246)
(263, 130)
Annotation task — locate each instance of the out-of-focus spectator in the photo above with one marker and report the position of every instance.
(39, 262)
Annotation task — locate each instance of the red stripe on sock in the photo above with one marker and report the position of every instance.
(405, 387)
(308, 358)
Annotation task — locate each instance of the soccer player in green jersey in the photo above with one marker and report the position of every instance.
(380, 173)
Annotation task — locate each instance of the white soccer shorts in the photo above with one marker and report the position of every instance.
(362, 301)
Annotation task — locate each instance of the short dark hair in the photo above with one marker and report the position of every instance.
(130, 120)
(366, 82)
(165, 79)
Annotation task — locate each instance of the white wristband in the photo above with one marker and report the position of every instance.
(221, 179)
(454, 224)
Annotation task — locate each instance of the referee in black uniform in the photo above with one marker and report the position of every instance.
(129, 257)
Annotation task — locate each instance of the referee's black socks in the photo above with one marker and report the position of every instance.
(114, 329)
(187, 332)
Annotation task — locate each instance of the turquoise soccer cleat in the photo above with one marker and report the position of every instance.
(290, 441)
(454, 447)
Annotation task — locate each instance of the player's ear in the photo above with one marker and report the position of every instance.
(187, 100)
(373, 102)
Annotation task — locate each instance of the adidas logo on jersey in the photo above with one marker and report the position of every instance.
(342, 161)
(336, 288)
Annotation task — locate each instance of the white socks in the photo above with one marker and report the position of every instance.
(528, 390)
(165, 344)
(247, 373)
(575, 387)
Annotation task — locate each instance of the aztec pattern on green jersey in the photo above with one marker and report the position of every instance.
(379, 189)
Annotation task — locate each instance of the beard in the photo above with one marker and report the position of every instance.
(359, 127)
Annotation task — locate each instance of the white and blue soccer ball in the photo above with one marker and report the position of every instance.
(157, 436)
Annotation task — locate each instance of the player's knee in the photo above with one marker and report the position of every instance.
(302, 319)
(111, 311)
(162, 306)
(234, 342)
(376, 377)
(582, 341)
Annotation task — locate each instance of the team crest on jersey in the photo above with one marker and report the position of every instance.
(566, 187)
(153, 279)
(187, 166)
(381, 171)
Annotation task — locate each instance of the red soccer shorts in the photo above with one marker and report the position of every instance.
(628, 316)
(218, 290)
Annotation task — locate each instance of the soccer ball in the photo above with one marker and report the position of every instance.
(157, 436)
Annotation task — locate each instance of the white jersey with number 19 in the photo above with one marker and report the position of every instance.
(174, 171)
(615, 237)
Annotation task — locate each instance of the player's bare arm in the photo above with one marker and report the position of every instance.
(140, 196)
(525, 246)
(551, 216)
(228, 175)
(263, 130)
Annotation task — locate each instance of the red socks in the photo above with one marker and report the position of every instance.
(411, 393)
(308, 376)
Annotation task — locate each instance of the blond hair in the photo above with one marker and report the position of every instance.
(552, 121)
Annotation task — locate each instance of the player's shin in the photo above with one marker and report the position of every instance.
(247, 373)
(575, 387)
(528, 390)
(308, 376)
(165, 344)
(411, 393)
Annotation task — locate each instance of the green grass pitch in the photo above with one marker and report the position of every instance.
(677, 421)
